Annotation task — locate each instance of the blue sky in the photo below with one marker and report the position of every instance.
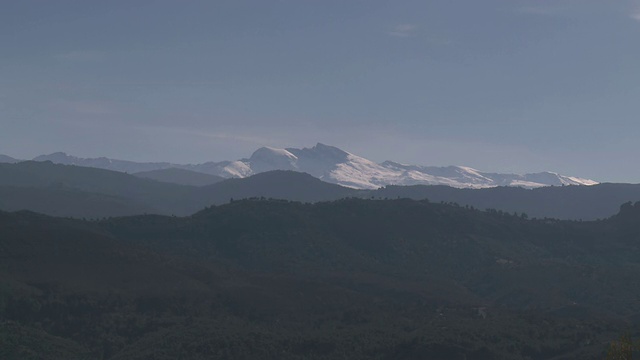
(499, 85)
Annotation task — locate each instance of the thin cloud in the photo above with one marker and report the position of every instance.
(403, 30)
(635, 15)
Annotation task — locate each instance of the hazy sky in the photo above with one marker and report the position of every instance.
(499, 85)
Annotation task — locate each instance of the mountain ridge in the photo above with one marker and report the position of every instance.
(337, 166)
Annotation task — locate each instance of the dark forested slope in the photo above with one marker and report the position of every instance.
(362, 279)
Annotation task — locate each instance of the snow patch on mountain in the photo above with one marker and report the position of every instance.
(572, 180)
(237, 169)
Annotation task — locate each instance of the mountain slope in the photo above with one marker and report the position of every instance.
(180, 176)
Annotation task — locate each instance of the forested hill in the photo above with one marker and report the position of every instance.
(362, 279)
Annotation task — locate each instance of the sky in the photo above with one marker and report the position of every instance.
(499, 85)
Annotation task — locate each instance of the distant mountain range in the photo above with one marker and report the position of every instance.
(324, 162)
(76, 191)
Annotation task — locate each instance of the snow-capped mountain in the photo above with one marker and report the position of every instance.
(337, 166)
(340, 167)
